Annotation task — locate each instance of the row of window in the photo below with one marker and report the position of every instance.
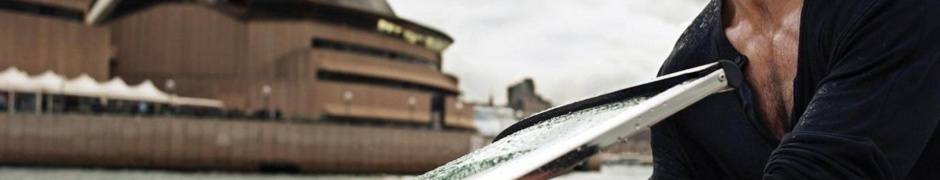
(374, 52)
(376, 81)
(414, 37)
(361, 20)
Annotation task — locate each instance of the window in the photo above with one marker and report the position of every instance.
(389, 83)
(374, 52)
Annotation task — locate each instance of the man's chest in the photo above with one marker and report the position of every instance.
(772, 61)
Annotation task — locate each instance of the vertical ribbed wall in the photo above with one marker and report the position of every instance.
(36, 43)
(130, 142)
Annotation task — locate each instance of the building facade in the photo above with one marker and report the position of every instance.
(314, 59)
(40, 35)
(522, 98)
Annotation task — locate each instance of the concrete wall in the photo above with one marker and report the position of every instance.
(270, 39)
(459, 118)
(38, 43)
(130, 142)
(378, 67)
(180, 41)
(373, 102)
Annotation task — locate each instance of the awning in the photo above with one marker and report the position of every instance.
(199, 102)
(118, 89)
(148, 92)
(83, 85)
(12, 79)
(50, 82)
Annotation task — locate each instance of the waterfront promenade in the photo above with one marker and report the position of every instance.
(229, 145)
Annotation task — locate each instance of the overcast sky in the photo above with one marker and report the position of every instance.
(572, 49)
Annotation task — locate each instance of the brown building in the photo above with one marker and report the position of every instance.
(319, 59)
(522, 98)
(221, 144)
(40, 35)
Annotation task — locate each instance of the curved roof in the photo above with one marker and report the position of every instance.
(374, 6)
(389, 16)
(358, 13)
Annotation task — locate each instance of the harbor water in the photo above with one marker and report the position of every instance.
(30, 173)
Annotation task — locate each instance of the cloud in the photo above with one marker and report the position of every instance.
(571, 49)
(670, 11)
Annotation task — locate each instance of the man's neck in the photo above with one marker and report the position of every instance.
(768, 12)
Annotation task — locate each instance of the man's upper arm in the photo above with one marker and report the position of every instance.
(875, 110)
(670, 160)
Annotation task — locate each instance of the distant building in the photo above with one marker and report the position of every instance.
(522, 98)
(331, 59)
(491, 120)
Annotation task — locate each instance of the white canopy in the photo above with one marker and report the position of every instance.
(12, 79)
(49, 82)
(83, 85)
(118, 89)
(198, 102)
(148, 92)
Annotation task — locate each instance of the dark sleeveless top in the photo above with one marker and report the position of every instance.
(866, 100)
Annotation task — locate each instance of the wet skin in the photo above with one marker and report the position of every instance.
(767, 33)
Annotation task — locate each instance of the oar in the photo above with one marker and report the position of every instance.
(669, 94)
(666, 95)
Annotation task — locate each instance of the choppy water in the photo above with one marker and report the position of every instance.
(556, 129)
(19, 173)
(31, 173)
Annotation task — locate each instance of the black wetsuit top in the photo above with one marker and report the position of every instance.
(866, 100)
